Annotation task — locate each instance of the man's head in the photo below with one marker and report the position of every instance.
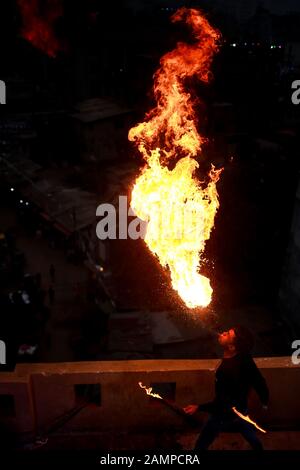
(237, 340)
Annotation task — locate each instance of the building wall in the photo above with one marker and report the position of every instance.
(44, 392)
(290, 287)
(103, 140)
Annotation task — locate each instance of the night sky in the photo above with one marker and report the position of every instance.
(275, 6)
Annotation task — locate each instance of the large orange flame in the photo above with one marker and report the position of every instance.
(248, 419)
(180, 212)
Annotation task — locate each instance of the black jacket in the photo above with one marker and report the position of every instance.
(235, 377)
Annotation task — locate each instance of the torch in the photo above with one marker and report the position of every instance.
(191, 420)
(248, 419)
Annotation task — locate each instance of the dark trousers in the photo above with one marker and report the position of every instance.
(217, 424)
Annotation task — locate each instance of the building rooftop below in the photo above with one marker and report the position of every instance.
(97, 109)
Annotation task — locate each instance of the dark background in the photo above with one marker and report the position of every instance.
(110, 50)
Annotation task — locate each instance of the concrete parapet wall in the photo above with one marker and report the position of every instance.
(44, 392)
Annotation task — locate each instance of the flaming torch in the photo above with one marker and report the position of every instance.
(248, 419)
(190, 419)
(149, 391)
(177, 409)
(178, 209)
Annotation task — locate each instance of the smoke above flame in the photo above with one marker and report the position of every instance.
(180, 210)
(38, 23)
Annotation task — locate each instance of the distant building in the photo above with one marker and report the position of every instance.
(290, 287)
(240, 10)
(101, 127)
(293, 53)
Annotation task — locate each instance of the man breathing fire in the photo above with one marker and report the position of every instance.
(235, 376)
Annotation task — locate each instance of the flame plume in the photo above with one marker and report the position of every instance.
(38, 20)
(180, 212)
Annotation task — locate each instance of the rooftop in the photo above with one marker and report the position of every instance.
(124, 417)
(97, 109)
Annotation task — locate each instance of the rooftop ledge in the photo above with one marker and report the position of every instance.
(35, 397)
(161, 365)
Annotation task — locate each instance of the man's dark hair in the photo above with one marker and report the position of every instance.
(244, 340)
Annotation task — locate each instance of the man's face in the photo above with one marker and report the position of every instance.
(227, 338)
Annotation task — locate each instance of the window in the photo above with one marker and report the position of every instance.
(90, 393)
(7, 406)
